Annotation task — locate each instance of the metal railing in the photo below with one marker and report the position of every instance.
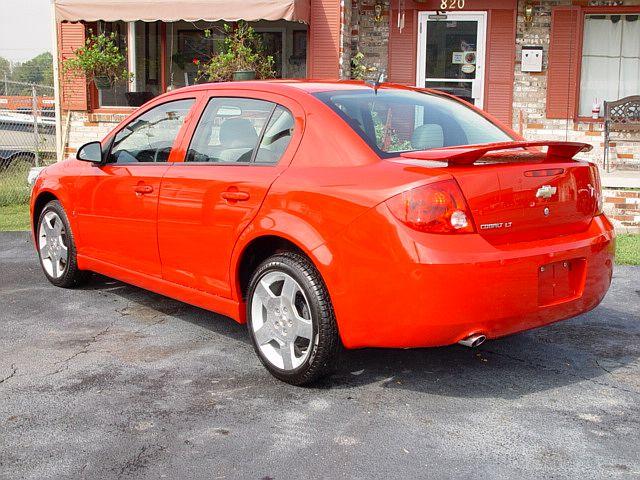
(27, 136)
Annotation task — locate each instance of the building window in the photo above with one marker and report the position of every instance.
(180, 46)
(610, 60)
(115, 96)
(140, 43)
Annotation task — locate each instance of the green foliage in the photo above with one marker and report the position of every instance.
(386, 136)
(13, 183)
(628, 250)
(100, 56)
(14, 217)
(5, 68)
(38, 70)
(240, 50)
(359, 68)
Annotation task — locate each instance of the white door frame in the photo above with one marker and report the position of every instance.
(477, 86)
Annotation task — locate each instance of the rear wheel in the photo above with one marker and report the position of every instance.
(56, 248)
(291, 320)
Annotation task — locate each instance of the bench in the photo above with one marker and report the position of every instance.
(622, 119)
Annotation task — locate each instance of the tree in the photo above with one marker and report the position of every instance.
(38, 70)
(5, 68)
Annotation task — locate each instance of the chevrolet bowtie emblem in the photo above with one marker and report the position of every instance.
(546, 191)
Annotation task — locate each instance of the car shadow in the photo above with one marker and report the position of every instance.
(591, 347)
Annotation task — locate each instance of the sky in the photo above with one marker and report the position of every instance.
(25, 28)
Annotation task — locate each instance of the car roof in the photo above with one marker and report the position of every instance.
(301, 85)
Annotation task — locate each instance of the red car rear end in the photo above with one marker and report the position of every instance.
(500, 237)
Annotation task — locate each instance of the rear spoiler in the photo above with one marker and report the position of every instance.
(469, 154)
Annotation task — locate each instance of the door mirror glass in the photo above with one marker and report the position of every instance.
(90, 152)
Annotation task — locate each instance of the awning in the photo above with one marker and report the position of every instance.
(174, 10)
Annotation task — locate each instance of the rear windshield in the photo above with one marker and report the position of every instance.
(394, 121)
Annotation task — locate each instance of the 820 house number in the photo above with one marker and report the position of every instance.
(451, 4)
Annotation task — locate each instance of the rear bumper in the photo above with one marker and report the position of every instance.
(431, 290)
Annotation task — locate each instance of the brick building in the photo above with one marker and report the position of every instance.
(576, 55)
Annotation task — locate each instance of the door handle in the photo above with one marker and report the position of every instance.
(143, 189)
(235, 196)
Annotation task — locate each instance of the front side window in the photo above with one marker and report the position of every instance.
(241, 130)
(610, 60)
(150, 137)
(393, 121)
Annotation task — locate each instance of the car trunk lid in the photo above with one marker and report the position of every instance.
(523, 195)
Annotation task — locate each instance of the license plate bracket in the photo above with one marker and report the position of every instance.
(561, 281)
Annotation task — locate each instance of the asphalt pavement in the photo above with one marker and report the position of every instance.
(110, 381)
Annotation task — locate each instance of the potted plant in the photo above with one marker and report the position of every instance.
(99, 60)
(241, 57)
(359, 69)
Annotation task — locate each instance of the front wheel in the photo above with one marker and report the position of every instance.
(290, 319)
(57, 249)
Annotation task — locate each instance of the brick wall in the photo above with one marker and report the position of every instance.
(345, 38)
(368, 36)
(623, 209)
(88, 127)
(530, 95)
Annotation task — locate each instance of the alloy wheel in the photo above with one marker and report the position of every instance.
(281, 320)
(52, 245)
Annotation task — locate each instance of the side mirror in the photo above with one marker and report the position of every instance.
(90, 152)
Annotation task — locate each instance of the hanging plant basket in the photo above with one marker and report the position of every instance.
(240, 75)
(102, 83)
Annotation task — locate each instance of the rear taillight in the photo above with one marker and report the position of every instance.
(597, 189)
(438, 207)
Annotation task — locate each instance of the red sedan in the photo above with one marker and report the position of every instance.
(332, 214)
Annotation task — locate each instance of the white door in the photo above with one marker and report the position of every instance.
(451, 51)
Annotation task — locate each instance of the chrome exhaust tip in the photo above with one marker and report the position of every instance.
(473, 341)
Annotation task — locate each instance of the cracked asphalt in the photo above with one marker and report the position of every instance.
(111, 381)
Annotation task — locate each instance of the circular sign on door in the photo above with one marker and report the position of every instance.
(468, 68)
(470, 57)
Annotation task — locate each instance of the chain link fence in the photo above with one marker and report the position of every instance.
(27, 136)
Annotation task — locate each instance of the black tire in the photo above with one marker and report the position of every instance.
(72, 276)
(326, 345)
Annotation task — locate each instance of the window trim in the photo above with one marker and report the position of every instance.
(176, 141)
(254, 153)
(582, 14)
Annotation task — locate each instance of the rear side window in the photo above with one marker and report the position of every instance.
(150, 137)
(241, 130)
(276, 137)
(394, 121)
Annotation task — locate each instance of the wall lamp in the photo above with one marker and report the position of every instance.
(528, 13)
(378, 9)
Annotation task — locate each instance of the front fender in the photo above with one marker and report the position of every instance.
(49, 187)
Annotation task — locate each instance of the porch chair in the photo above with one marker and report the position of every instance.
(621, 118)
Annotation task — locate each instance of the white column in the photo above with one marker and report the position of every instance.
(131, 53)
(56, 83)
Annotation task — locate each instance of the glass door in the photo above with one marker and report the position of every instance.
(451, 49)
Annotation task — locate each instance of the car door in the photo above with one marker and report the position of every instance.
(118, 201)
(237, 149)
